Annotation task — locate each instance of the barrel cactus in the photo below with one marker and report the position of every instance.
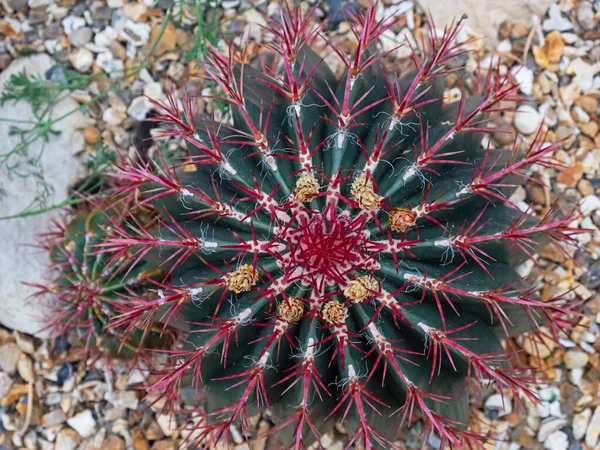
(343, 248)
(91, 288)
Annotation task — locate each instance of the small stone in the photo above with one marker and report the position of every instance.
(585, 15)
(167, 424)
(588, 103)
(67, 439)
(5, 384)
(135, 11)
(123, 399)
(591, 279)
(114, 116)
(554, 46)
(167, 444)
(496, 402)
(549, 426)
(81, 36)
(82, 60)
(590, 128)
(527, 120)
(137, 34)
(176, 70)
(570, 175)
(115, 443)
(72, 23)
(91, 135)
(139, 441)
(153, 431)
(519, 30)
(25, 342)
(580, 423)
(583, 73)
(138, 109)
(117, 50)
(523, 75)
(114, 4)
(15, 392)
(555, 20)
(168, 39)
(569, 93)
(593, 429)
(589, 204)
(9, 357)
(540, 56)
(25, 368)
(557, 441)
(54, 418)
(84, 423)
(576, 359)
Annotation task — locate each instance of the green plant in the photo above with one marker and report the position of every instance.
(342, 249)
(88, 293)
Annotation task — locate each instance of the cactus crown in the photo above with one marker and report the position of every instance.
(342, 248)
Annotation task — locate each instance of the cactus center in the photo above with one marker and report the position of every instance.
(326, 250)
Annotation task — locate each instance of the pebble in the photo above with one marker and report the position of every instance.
(575, 359)
(589, 204)
(556, 21)
(123, 399)
(138, 108)
(82, 60)
(72, 23)
(91, 135)
(9, 357)
(80, 36)
(527, 119)
(549, 426)
(557, 441)
(580, 423)
(115, 443)
(137, 34)
(25, 368)
(524, 77)
(503, 406)
(114, 116)
(54, 418)
(67, 439)
(593, 429)
(25, 342)
(5, 384)
(114, 4)
(84, 423)
(585, 15)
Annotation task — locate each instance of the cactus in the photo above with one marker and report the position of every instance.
(341, 249)
(88, 292)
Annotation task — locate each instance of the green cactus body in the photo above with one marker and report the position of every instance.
(92, 289)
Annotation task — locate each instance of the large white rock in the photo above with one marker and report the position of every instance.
(19, 261)
(484, 17)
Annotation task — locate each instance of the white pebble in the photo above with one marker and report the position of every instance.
(524, 77)
(557, 441)
(593, 430)
(589, 204)
(497, 403)
(84, 423)
(580, 423)
(527, 119)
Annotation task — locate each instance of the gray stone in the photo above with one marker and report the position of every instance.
(9, 358)
(484, 18)
(81, 36)
(20, 261)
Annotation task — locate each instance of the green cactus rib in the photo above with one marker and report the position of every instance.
(90, 291)
(342, 249)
